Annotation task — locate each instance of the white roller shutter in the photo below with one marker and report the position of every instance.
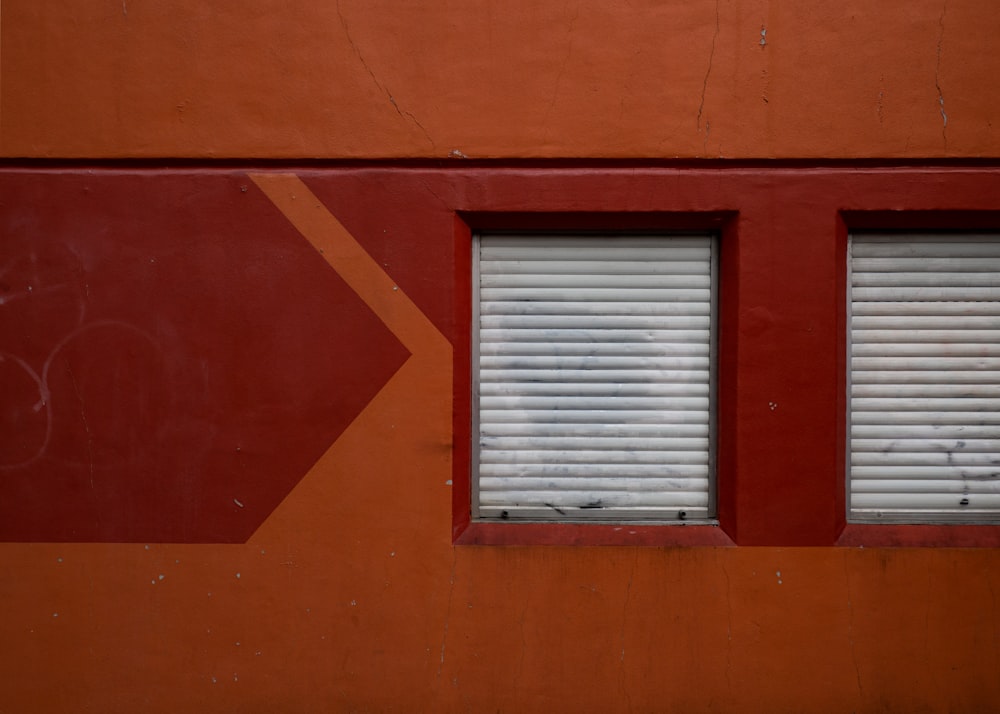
(925, 378)
(593, 377)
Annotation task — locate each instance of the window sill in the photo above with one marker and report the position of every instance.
(920, 536)
(483, 533)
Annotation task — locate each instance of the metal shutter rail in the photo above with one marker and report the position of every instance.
(925, 378)
(593, 377)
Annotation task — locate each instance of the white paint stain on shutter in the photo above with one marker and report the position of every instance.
(925, 378)
(593, 373)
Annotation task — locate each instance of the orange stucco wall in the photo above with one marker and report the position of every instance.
(713, 78)
(351, 596)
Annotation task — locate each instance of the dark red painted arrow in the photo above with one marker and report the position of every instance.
(174, 357)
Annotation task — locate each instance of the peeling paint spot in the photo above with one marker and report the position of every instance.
(448, 482)
(238, 503)
(763, 36)
(456, 154)
(237, 576)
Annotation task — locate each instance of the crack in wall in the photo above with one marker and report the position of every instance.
(562, 71)
(524, 646)
(729, 626)
(382, 88)
(850, 627)
(879, 104)
(621, 659)
(447, 615)
(86, 424)
(937, 77)
(996, 625)
(708, 72)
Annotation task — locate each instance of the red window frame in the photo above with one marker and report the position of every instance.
(781, 400)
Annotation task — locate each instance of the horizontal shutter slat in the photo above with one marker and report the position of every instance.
(922, 431)
(623, 442)
(528, 418)
(614, 315)
(567, 249)
(953, 461)
(949, 248)
(599, 471)
(920, 444)
(585, 430)
(925, 389)
(929, 404)
(955, 278)
(592, 336)
(922, 324)
(544, 282)
(673, 388)
(949, 503)
(592, 403)
(911, 333)
(925, 376)
(625, 485)
(883, 471)
(593, 376)
(954, 348)
(921, 308)
(598, 294)
(597, 498)
(929, 486)
(892, 364)
(603, 376)
(602, 457)
(586, 362)
(946, 293)
(928, 264)
(931, 418)
(596, 267)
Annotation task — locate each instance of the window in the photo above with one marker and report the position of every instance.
(924, 350)
(593, 377)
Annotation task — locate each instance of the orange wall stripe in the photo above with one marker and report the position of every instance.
(358, 269)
